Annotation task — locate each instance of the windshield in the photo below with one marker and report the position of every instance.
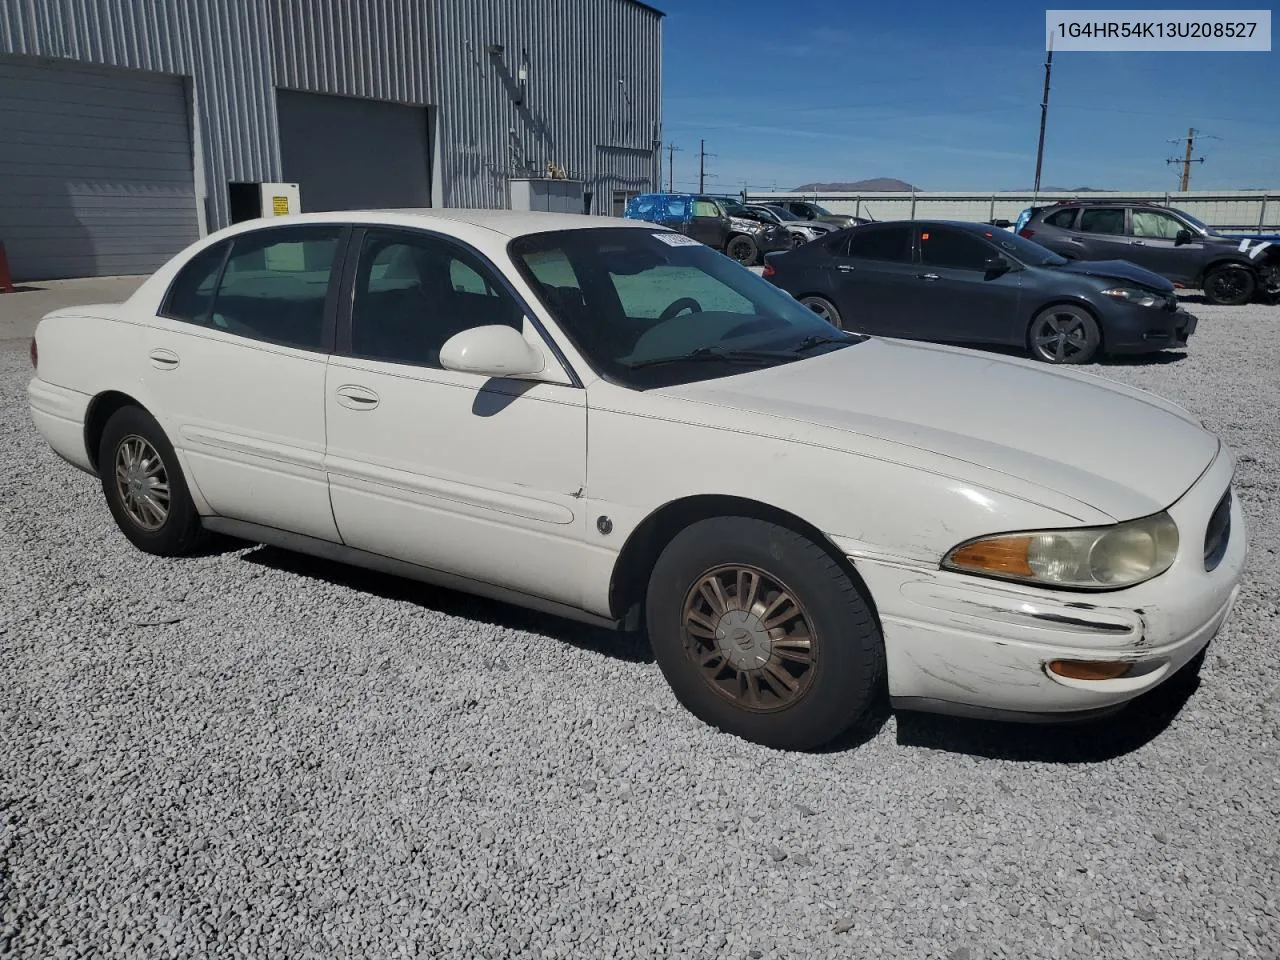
(782, 213)
(1197, 222)
(821, 210)
(1028, 251)
(651, 308)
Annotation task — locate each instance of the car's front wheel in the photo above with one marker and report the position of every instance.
(1064, 334)
(144, 486)
(1229, 285)
(825, 309)
(743, 249)
(761, 633)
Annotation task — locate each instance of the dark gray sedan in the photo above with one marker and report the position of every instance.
(970, 283)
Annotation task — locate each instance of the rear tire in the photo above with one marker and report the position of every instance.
(1063, 334)
(743, 249)
(761, 634)
(144, 486)
(1229, 285)
(825, 309)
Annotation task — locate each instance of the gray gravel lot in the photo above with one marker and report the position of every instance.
(248, 754)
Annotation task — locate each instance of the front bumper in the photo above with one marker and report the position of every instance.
(967, 645)
(1132, 329)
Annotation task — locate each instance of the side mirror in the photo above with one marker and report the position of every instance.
(1184, 236)
(996, 266)
(492, 351)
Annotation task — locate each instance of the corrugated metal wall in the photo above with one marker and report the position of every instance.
(593, 104)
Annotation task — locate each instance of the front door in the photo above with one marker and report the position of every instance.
(236, 369)
(952, 297)
(1153, 244)
(709, 224)
(477, 477)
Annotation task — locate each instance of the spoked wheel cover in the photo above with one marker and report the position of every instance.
(740, 250)
(142, 483)
(749, 637)
(1060, 335)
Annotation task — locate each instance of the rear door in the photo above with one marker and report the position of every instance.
(236, 364)
(954, 298)
(1101, 233)
(871, 273)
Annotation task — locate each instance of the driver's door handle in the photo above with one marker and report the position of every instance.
(926, 276)
(844, 268)
(356, 398)
(1138, 243)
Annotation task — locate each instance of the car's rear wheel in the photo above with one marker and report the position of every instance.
(825, 309)
(144, 486)
(1064, 334)
(760, 633)
(1229, 285)
(743, 249)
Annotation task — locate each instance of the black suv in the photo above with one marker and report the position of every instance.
(1172, 243)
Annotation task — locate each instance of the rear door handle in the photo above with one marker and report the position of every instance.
(926, 276)
(163, 359)
(357, 398)
(844, 268)
(1138, 243)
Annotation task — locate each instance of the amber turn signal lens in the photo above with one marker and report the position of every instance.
(1089, 669)
(1007, 555)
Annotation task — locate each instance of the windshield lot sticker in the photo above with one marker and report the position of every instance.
(676, 240)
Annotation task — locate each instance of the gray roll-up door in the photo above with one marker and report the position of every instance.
(96, 175)
(346, 153)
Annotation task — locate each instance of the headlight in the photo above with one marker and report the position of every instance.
(1143, 298)
(1090, 558)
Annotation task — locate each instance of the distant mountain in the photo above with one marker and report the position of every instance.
(1062, 190)
(875, 184)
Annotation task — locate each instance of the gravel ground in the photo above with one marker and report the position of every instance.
(251, 754)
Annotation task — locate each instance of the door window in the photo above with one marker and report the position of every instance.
(953, 249)
(1155, 224)
(191, 294)
(891, 244)
(705, 208)
(413, 292)
(273, 287)
(1105, 220)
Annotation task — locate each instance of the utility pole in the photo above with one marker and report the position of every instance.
(1186, 160)
(671, 156)
(1044, 113)
(702, 165)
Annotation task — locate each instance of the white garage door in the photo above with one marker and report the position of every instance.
(95, 169)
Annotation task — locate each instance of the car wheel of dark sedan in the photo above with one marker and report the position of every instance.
(742, 249)
(1064, 334)
(797, 241)
(825, 309)
(1229, 285)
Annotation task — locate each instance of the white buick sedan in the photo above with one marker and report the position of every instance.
(604, 419)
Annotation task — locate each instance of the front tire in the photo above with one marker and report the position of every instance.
(761, 634)
(144, 486)
(1064, 334)
(825, 309)
(743, 249)
(1229, 285)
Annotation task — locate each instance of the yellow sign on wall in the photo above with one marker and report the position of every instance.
(280, 206)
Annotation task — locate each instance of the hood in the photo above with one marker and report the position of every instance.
(1119, 450)
(1118, 270)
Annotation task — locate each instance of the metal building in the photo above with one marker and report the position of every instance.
(128, 128)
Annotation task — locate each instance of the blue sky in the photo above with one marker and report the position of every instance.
(946, 95)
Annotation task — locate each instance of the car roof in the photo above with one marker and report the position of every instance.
(509, 223)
